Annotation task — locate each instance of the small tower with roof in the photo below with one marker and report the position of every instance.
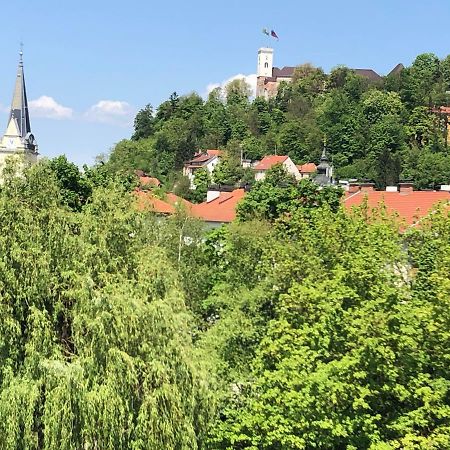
(324, 175)
(18, 138)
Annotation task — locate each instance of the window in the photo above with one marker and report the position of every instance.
(266, 65)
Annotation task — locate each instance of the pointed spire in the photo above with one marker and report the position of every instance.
(19, 105)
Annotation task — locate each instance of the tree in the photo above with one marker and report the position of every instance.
(279, 194)
(144, 123)
(94, 333)
(74, 188)
(201, 181)
(341, 361)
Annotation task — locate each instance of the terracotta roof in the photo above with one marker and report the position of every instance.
(214, 152)
(221, 209)
(202, 158)
(268, 161)
(307, 168)
(147, 201)
(442, 110)
(176, 200)
(368, 73)
(145, 180)
(410, 206)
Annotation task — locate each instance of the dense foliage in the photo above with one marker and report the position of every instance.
(95, 337)
(383, 131)
(298, 326)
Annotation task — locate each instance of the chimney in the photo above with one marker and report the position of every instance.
(212, 195)
(367, 187)
(353, 187)
(406, 187)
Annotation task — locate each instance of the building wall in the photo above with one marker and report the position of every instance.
(265, 62)
(190, 172)
(23, 159)
(291, 168)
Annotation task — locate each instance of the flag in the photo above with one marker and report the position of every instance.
(273, 34)
(266, 31)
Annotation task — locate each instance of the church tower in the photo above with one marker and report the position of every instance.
(18, 139)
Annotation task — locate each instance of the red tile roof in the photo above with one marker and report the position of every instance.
(147, 201)
(268, 161)
(410, 206)
(214, 152)
(175, 200)
(221, 209)
(307, 168)
(151, 181)
(202, 158)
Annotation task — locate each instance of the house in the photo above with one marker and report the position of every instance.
(410, 206)
(271, 160)
(203, 160)
(306, 170)
(219, 208)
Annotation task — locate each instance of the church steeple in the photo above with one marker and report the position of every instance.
(19, 105)
(18, 136)
(324, 175)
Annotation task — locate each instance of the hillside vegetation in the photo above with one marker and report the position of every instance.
(383, 131)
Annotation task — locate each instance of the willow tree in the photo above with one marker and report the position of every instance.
(95, 341)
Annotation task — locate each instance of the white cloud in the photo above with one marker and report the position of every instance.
(250, 79)
(111, 111)
(46, 106)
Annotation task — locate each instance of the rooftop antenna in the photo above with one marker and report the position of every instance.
(21, 53)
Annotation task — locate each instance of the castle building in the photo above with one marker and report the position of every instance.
(268, 77)
(18, 139)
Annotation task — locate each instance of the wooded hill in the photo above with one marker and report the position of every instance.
(384, 132)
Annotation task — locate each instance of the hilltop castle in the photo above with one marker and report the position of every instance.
(269, 77)
(18, 138)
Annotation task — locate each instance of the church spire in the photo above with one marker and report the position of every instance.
(19, 105)
(18, 136)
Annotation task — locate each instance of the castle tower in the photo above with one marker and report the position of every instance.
(265, 62)
(264, 70)
(18, 139)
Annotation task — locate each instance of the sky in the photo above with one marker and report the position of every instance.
(91, 65)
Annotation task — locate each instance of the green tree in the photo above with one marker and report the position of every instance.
(94, 333)
(144, 123)
(202, 181)
(74, 188)
(280, 194)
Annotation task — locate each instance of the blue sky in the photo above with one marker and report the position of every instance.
(90, 65)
